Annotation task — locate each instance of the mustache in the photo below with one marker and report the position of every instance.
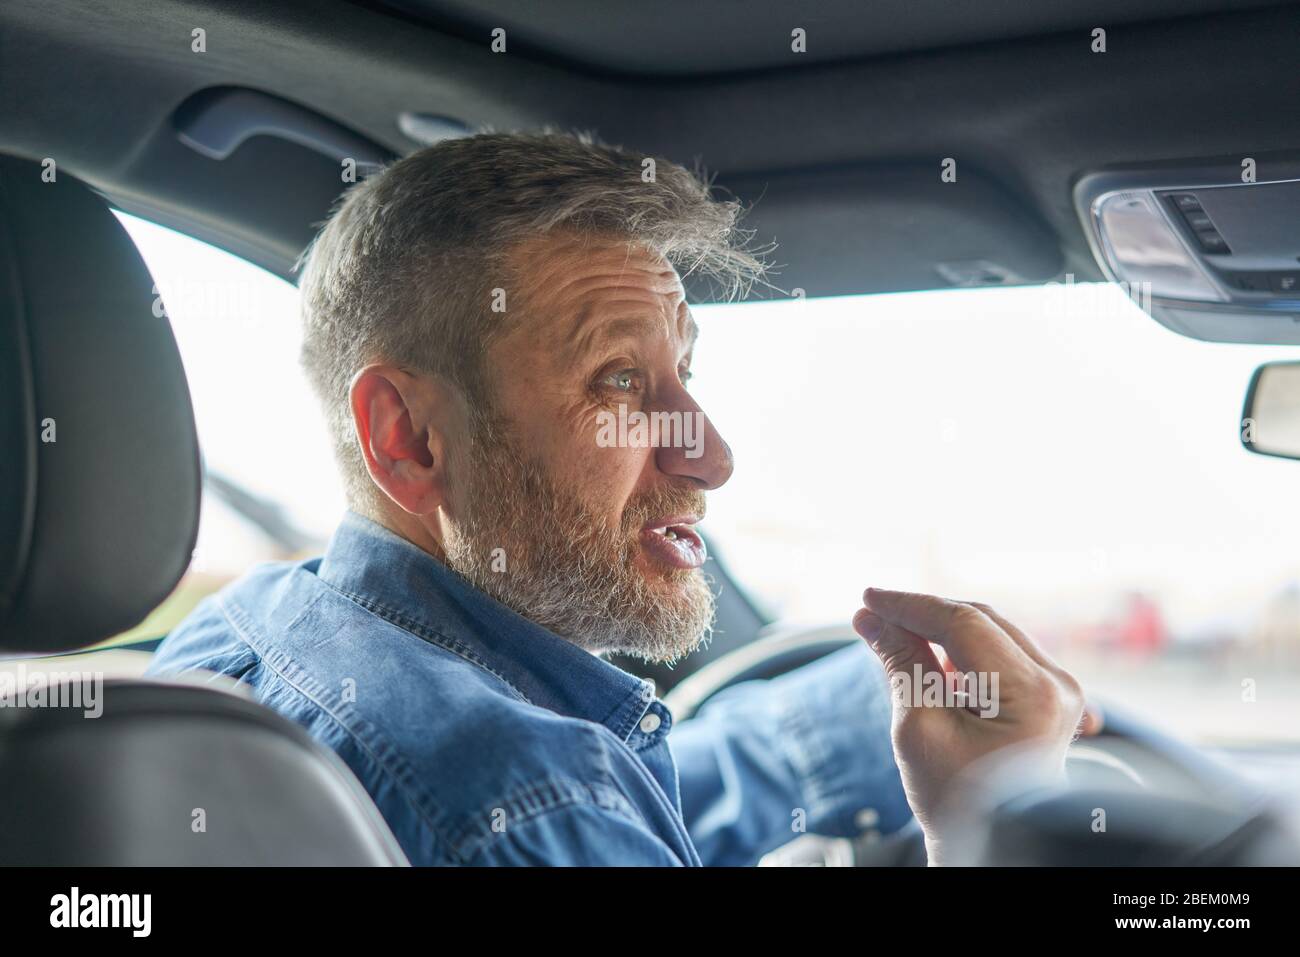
(672, 500)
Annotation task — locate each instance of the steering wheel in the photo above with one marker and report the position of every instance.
(1136, 796)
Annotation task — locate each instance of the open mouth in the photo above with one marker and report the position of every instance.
(674, 542)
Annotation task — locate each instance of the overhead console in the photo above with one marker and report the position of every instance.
(1217, 258)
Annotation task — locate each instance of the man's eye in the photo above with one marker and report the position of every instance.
(624, 380)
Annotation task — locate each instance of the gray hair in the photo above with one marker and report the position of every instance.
(403, 270)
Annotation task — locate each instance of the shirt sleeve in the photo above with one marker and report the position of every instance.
(808, 752)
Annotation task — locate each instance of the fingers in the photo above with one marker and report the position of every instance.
(976, 638)
(899, 650)
(1027, 644)
(972, 640)
(1092, 721)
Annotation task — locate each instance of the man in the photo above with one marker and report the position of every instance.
(475, 318)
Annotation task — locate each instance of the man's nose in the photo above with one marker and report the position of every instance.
(696, 450)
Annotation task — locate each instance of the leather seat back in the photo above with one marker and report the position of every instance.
(99, 505)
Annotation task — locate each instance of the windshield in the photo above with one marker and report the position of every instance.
(1049, 450)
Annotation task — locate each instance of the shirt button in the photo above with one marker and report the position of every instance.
(650, 723)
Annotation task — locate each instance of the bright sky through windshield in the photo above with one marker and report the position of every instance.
(1036, 445)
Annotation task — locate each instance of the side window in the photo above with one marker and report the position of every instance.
(270, 487)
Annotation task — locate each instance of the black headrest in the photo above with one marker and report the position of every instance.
(99, 463)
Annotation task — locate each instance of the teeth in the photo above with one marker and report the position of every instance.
(666, 532)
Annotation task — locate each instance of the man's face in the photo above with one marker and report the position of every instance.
(576, 502)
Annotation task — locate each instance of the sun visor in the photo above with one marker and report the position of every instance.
(891, 228)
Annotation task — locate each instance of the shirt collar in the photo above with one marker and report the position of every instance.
(406, 585)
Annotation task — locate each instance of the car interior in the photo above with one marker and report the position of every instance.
(882, 149)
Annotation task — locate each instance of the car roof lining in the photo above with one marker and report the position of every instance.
(684, 38)
(97, 89)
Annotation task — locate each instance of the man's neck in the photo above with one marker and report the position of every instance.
(408, 526)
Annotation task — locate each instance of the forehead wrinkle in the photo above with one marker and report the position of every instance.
(596, 334)
(588, 330)
(561, 256)
(570, 279)
(664, 282)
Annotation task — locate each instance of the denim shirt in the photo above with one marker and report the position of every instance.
(485, 739)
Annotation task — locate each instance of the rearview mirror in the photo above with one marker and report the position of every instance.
(1271, 420)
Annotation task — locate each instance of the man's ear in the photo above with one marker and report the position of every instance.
(401, 422)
